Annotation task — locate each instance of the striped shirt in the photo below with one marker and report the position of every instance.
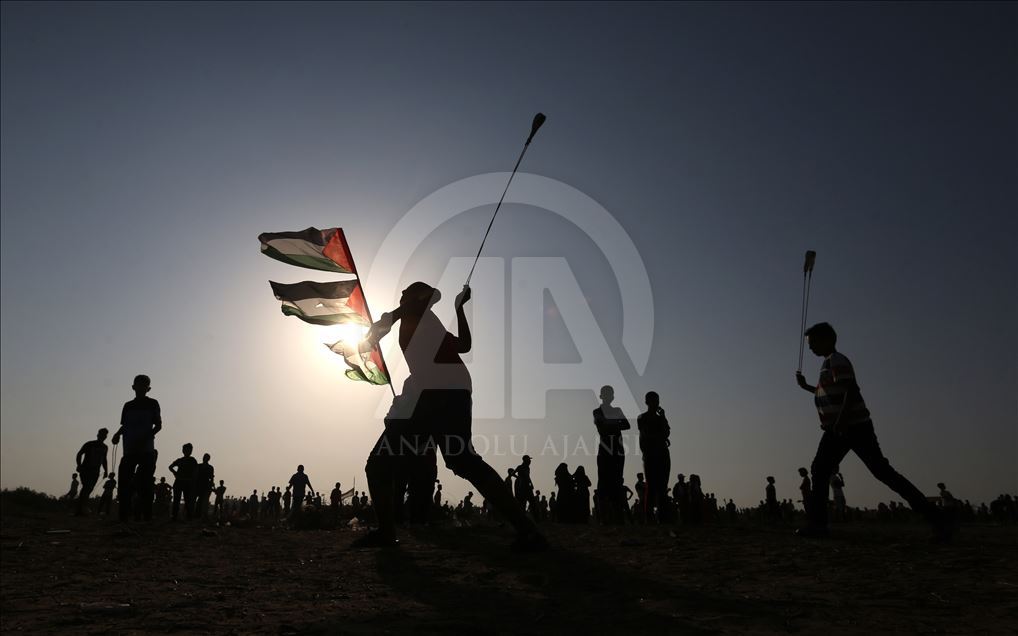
(837, 379)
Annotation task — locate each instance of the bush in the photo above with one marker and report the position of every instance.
(27, 499)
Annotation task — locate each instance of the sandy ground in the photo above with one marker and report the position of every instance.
(103, 578)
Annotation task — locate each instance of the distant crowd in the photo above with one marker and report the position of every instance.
(195, 494)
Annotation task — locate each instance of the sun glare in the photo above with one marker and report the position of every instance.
(351, 335)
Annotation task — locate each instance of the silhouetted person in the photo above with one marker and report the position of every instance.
(185, 479)
(696, 501)
(90, 460)
(106, 499)
(806, 489)
(205, 483)
(287, 497)
(220, 491)
(773, 509)
(838, 488)
(275, 497)
(582, 483)
(611, 456)
(72, 492)
(641, 506)
(299, 482)
(140, 421)
(163, 495)
(336, 498)
(627, 496)
(680, 493)
(947, 500)
(252, 504)
(654, 443)
(536, 511)
(524, 487)
(438, 496)
(847, 426)
(436, 402)
(712, 507)
(567, 507)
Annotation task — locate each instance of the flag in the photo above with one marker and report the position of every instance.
(366, 366)
(326, 304)
(323, 303)
(312, 248)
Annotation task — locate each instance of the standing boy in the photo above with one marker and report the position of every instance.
(657, 461)
(140, 421)
(185, 477)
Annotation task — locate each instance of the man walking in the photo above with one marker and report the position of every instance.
(299, 482)
(89, 460)
(847, 426)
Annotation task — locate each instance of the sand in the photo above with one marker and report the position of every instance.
(102, 577)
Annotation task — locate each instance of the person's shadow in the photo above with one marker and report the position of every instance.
(471, 582)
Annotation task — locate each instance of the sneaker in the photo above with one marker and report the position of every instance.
(532, 541)
(375, 539)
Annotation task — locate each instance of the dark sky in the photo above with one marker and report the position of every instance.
(144, 147)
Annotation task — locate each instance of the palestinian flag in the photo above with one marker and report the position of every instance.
(366, 366)
(312, 248)
(323, 303)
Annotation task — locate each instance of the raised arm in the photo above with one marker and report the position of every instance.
(380, 328)
(79, 456)
(463, 339)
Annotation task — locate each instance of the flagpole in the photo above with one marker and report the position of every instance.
(367, 307)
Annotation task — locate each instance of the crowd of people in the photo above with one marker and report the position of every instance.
(433, 413)
(194, 494)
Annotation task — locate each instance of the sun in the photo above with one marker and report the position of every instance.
(350, 334)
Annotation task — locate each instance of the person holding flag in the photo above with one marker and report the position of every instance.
(435, 405)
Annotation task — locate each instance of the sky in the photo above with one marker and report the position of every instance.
(145, 147)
